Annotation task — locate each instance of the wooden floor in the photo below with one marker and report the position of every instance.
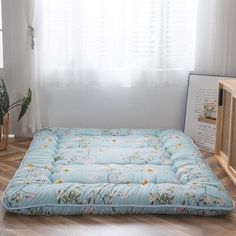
(145, 225)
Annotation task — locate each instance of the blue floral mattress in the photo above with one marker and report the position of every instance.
(119, 171)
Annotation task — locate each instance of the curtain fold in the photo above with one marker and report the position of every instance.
(216, 37)
(32, 121)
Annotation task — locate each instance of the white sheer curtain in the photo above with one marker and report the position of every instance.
(216, 37)
(125, 42)
(115, 42)
(32, 119)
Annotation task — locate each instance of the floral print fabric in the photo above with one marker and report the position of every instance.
(118, 171)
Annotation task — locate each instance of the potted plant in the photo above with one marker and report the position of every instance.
(5, 107)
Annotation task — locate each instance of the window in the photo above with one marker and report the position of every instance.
(117, 37)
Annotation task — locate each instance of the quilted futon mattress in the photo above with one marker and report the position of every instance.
(119, 171)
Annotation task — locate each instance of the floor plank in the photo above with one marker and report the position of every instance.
(138, 225)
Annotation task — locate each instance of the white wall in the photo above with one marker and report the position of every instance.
(158, 107)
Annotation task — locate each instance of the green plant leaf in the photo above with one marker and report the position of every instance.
(1, 116)
(4, 98)
(25, 104)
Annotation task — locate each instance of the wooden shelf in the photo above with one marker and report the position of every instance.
(225, 150)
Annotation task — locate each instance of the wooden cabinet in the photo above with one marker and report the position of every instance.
(225, 150)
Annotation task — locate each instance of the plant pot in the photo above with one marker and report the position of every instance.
(4, 131)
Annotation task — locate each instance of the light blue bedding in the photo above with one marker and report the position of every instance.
(119, 171)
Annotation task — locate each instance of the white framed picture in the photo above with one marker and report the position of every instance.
(201, 110)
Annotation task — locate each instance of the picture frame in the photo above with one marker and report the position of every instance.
(201, 109)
